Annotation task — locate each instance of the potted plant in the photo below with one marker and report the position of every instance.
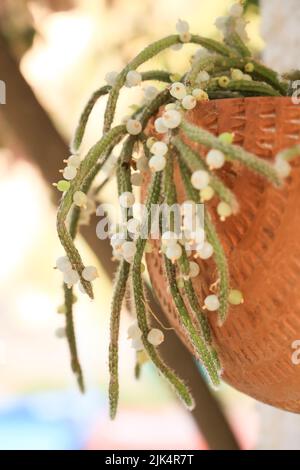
(211, 151)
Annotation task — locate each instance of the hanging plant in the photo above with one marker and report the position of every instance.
(210, 152)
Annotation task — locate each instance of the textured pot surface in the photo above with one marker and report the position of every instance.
(262, 243)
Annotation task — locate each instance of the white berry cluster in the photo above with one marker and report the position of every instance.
(71, 276)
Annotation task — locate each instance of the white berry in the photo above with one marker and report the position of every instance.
(160, 126)
(70, 278)
(282, 167)
(134, 331)
(215, 159)
(80, 199)
(200, 179)
(69, 173)
(185, 37)
(90, 273)
(205, 251)
(155, 337)
(157, 163)
(171, 118)
(150, 92)
(224, 210)
(133, 127)
(194, 269)
(137, 344)
(189, 102)
(63, 264)
(111, 78)
(212, 303)
(159, 148)
(74, 160)
(182, 26)
(133, 78)
(128, 250)
(178, 90)
(173, 251)
(126, 199)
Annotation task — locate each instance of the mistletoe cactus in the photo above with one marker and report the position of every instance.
(218, 70)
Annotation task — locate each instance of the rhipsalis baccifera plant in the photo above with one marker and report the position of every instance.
(218, 70)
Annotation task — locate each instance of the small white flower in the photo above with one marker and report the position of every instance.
(182, 26)
(194, 269)
(171, 119)
(160, 126)
(150, 92)
(126, 199)
(157, 163)
(204, 251)
(69, 173)
(111, 78)
(80, 199)
(70, 278)
(215, 159)
(133, 127)
(178, 90)
(282, 167)
(133, 78)
(155, 337)
(212, 303)
(90, 273)
(200, 179)
(159, 148)
(189, 102)
(63, 264)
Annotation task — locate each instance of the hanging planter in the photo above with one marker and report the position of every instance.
(212, 151)
(262, 246)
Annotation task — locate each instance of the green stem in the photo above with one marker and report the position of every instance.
(232, 152)
(118, 297)
(194, 162)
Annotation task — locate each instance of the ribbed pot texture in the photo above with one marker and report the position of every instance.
(262, 243)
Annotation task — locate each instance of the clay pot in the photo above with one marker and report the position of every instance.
(262, 244)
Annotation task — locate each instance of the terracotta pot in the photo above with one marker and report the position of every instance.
(262, 244)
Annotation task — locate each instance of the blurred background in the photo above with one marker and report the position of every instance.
(62, 49)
